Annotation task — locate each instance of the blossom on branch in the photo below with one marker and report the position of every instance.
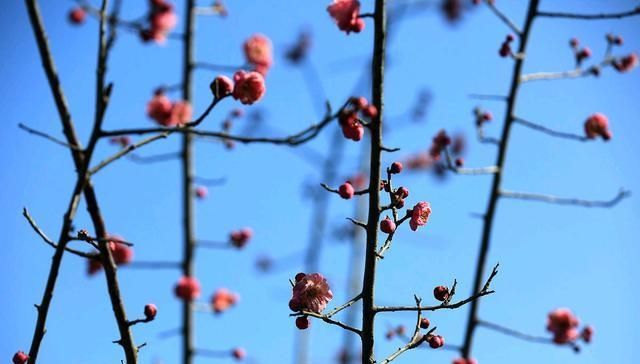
(563, 324)
(346, 14)
(420, 215)
(258, 52)
(311, 292)
(249, 87)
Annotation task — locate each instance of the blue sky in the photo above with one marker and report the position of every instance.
(551, 256)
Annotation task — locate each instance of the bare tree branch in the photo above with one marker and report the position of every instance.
(622, 194)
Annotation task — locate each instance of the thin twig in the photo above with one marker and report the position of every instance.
(48, 137)
(620, 15)
(622, 194)
(125, 151)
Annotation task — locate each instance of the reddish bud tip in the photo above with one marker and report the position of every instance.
(303, 323)
(387, 226)
(20, 358)
(435, 341)
(150, 311)
(346, 190)
(441, 293)
(424, 323)
(396, 167)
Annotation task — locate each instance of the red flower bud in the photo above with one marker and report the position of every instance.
(221, 86)
(435, 341)
(370, 111)
(150, 311)
(387, 226)
(396, 167)
(402, 192)
(77, 16)
(441, 293)
(20, 358)
(303, 323)
(459, 162)
(346, 190)
(424, 323)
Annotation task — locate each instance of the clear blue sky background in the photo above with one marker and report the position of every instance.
(551, 256)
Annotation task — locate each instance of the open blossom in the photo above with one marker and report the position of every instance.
(240, 238)
(597, 125)
(627, 63)
(249, 87)
(223, 299)
(563, 324)
(420, 215)
(310, 293)
(258, 52)
(162, 19)
(187, 288)
(346, 15)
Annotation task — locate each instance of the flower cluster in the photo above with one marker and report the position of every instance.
(580, 53)
(223, 299)
(563, 324)
(162, 19)
(240, 238)
(352, 127)
(258, 52)
(167, 113)
(597, 125)
(346, 14)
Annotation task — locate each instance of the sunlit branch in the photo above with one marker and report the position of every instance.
(551, 132)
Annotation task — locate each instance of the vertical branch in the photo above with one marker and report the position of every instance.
(81, 159)
(188, 268)
(472, 320)
(368, 282)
